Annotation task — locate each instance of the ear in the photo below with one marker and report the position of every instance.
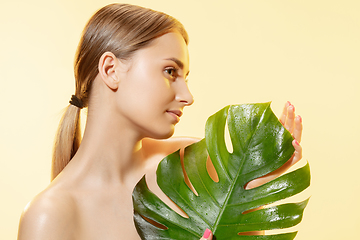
(109, 70)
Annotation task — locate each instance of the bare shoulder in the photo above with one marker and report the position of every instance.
(167, 146)
(50, 215)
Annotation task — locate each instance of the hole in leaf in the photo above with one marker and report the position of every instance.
(287, 167)
(227, 138)
(154, 187)
(250, 185)
(177, 209)
(252, 210)
(186, 178)
(211, 170)
(251, 233)
(288, 230)
(156, 224)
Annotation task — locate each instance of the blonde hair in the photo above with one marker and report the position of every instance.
(118, 28)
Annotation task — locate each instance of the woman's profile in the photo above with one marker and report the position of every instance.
(131, 68)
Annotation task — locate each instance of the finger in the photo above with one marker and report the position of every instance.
(298, 152)
(298, 128)
(289, 122)
(284, 113)
(207, 235)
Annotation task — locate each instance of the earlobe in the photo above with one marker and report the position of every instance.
(107, 67)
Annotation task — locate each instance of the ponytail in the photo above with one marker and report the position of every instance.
(67, 140)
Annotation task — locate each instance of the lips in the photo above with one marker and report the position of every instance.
(176, 114)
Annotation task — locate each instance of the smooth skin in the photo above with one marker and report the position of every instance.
(133, 109)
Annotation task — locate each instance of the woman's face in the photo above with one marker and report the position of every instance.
(153, 91)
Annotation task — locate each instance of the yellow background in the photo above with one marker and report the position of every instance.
(242, 51)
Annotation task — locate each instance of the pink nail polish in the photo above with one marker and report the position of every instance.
(300, 118)
(206, 233)
(297, 143)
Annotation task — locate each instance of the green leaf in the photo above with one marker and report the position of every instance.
(260, 145)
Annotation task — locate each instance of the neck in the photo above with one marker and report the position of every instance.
(110, 152)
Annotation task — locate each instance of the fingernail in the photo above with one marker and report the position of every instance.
(206, 233)
(300, 118)
(297, 143)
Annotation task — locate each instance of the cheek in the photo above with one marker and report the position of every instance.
(146, 99)
(154, 89)
(146, 92)
(161, 90)
(154, 94)
(151, 79)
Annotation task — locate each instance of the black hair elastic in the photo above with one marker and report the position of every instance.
(76, 102)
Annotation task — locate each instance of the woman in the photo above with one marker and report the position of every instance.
(130, 70)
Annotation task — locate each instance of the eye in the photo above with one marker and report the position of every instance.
(172, 72)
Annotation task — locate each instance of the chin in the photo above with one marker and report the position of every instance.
(163, 135)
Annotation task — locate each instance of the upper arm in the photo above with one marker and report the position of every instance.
(47, 217)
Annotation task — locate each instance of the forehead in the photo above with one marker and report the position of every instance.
(167, 46)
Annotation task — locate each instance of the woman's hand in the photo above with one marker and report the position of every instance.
(293, 124)
(207, 235)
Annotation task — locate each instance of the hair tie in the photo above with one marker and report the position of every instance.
(76, 102)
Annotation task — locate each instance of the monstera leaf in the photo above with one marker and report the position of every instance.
(260, 145)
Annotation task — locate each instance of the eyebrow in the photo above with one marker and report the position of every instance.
(179, 63)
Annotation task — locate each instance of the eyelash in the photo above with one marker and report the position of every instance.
(174, 75)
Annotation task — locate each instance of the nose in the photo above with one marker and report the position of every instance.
(184, 95)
